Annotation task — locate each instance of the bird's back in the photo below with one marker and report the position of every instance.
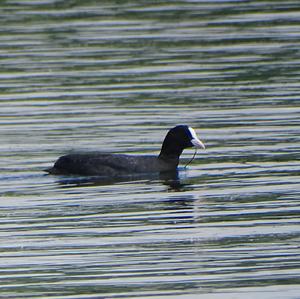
(112, 165)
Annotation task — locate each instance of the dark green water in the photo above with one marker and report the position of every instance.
(115, 76)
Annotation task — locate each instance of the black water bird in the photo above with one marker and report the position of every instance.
(116, 165)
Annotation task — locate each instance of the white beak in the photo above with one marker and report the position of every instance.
(196, 141)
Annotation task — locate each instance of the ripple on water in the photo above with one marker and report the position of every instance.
(115, 77)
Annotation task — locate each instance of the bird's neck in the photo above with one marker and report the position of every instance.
(170, 151)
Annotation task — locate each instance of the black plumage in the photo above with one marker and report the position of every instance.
(114, 165)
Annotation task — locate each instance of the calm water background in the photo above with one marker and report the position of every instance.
(115, 75)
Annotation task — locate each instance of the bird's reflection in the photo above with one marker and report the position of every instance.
(170, 179)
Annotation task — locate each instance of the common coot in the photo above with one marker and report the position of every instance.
(114, 165)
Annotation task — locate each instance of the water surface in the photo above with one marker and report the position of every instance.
(115, 76)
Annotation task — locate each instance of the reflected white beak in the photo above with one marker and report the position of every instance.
(198, 143)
